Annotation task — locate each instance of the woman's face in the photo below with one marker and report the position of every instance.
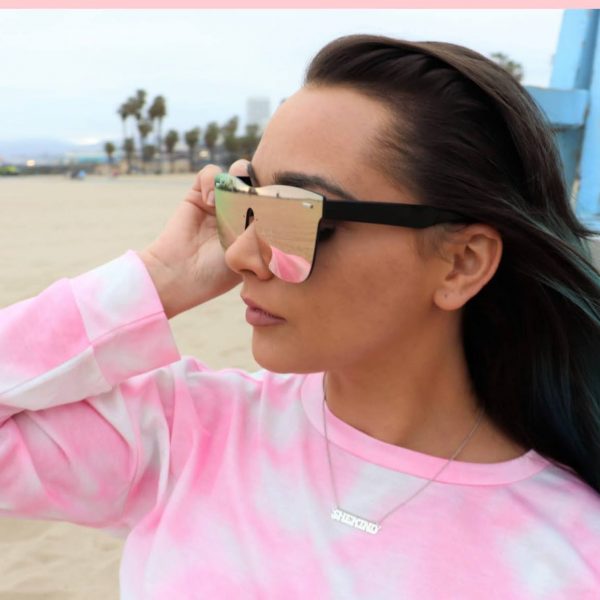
(369, 296)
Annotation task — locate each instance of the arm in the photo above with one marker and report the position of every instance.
(72, 410)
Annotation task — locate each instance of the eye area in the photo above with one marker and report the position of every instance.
(325, 231)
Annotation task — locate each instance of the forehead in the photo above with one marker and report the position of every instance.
(323, 131)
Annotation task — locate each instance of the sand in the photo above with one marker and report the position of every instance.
(53, 227)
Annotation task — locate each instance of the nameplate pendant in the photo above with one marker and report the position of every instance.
(337, 514)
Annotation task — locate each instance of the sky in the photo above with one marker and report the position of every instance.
(65, 72)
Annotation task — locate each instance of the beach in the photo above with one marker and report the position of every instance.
(55, 227)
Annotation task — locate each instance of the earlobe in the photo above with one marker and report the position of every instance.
(472, 258)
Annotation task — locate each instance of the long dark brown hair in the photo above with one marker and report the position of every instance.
(467, 136)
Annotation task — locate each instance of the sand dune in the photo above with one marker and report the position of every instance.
(53, 227)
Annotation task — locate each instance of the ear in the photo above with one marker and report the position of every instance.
(471, 257)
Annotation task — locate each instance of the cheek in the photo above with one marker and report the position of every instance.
(360, 300)
(367, 284)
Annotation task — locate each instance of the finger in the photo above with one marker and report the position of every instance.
(205, 181)
(201, 174)
(239, 168)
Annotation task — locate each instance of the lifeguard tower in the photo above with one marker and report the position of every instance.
(572, 104)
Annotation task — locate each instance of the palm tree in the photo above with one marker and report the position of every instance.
(191, 139)
(124, 111)
(158, 111)
(230, 141)
(109, 148)
(138, 101)
(171, 140)
(513, 67)
(144, 127)
(230, 127)
(249, 142)
(129, 149)
(211, 135)
(149, 152)
(136, 104)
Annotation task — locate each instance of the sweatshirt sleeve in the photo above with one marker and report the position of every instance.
(74, 419)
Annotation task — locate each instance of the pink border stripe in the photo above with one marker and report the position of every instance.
(297, 4)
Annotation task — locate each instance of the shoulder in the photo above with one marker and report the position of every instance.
(564, 488)
(219, 392)
(207, 410)
(566, 512)
(235, 383)
(190, 391)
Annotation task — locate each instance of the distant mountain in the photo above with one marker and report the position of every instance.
(42, 148)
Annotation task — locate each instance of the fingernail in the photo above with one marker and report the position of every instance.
(210, 199)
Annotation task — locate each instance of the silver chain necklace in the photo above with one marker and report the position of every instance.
(366, 525)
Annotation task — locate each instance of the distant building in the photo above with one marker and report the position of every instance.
(258, 112)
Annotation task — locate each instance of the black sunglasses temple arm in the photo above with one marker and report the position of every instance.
(407, 215)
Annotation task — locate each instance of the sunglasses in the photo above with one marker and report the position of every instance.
(289, 221)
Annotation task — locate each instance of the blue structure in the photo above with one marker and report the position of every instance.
(572, 104)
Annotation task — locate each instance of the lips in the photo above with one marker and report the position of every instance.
(255, 306)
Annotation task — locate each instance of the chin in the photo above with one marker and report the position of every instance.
(271, 357)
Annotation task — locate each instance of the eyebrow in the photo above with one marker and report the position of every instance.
(304, 180)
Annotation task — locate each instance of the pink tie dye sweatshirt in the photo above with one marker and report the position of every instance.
(219, 479)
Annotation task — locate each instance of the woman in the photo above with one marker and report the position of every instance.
(427, 422)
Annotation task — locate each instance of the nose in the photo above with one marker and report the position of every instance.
(249, 253)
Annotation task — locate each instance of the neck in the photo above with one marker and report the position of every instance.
(422, 402)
